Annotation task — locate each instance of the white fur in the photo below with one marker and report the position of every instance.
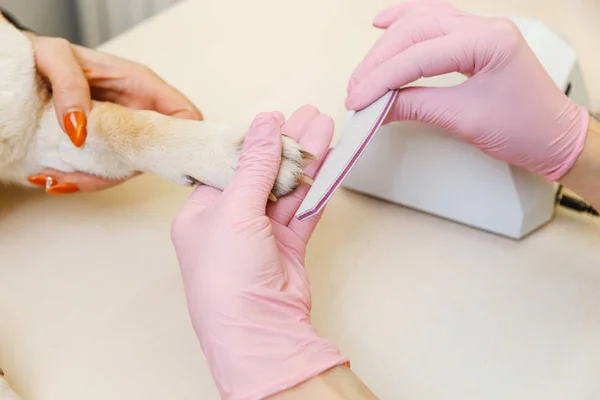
(19, 102)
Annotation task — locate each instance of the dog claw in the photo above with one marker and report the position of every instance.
(306, 179)
(272, 197)
(308, 156)
(193, 181)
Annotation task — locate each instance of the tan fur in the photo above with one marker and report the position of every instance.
(122, 128)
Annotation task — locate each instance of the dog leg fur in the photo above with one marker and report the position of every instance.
(120, 140)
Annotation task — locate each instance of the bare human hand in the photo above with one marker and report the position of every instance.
(77, 75)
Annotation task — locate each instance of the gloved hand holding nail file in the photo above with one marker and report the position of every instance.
(509, 107)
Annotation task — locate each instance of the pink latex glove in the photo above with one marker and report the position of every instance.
(243, 268)
(510, 108)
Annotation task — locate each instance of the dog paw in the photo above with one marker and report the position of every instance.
(6, 392)
(291, 174)
(211, 158)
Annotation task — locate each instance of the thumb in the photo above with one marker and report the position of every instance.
(432, 105)
(258, 164)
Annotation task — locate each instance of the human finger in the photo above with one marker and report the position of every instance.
(316, 140)
(388, 16)
(426, 59)
(56, 61)
(258, 166)
(57, 182)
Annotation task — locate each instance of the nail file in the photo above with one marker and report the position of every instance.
(356, 135)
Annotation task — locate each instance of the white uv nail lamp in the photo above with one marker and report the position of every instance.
(428, 169)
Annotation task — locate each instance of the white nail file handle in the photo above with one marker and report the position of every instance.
(356, 135)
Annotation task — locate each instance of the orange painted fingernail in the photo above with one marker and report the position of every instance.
(63, 188)
(38, 180)
(75, 125)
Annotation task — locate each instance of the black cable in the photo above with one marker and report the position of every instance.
(573, 203)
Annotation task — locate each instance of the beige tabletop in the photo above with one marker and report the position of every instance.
(91, 302)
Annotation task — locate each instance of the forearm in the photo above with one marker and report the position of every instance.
(338, 383)
(584, 176)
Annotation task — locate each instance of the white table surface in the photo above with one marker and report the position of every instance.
(91, 303)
